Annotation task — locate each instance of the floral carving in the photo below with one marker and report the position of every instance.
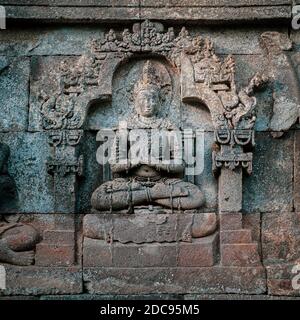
(61, 110)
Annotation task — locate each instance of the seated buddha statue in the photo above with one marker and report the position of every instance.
(146, 182)
(17, 240)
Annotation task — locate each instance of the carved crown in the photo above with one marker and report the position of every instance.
(149, 78)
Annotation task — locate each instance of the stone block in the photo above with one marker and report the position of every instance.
(146, 255)
(280, 237)
(270, 187)
(55, 254)
(253, 223)
(241, 255)
(36, 281)
(27, 166)
(207, 14)
(230, 190)
(235, 236)
(221, 14)
(200, 253)
(175, 280)
(58, 237)
(77, 3)
(14, 82)
(72, 14)
(97, 253)
(230, 221)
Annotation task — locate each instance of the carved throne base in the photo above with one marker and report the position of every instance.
(147, 239)
(145, 253)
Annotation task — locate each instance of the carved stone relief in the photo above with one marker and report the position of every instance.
(148, 214)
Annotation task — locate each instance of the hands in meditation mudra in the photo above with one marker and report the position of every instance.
(145, 182)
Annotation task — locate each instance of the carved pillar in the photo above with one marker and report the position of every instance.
(236, 244)
(58, 246)
(66, 166)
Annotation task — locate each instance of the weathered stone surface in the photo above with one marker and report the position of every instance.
(236, 236)
(147, 3)
(230, 190)
(77, 3)
(122, 14)
(207, 3)
(175, 280)
(205, 179)
(270, 187)
(146, 255)
(75, 40)
(30, 41)
(147, 227)
(27, 167)
(14, 81)
(204, 224)
(101, 254)
(230, 221)
(221, 14)
(39, 280)
(199, 297)
(235, 297)
(58, 237)
(55, 255)
(285, 88)
(200, 253)
(139, 228)
(71, 14)
(253, 223)
(280, 237)
(283, 279)
(242, 255)
(97, 253)
(246, 66)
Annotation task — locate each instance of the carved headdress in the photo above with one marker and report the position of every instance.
(149, 78)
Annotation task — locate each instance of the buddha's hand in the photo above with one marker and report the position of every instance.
(162, 191)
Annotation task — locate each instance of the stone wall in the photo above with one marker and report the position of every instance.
(62, 79)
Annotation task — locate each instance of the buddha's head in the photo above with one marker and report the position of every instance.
(147, 92)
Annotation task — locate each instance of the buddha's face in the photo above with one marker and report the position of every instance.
(146, 102)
